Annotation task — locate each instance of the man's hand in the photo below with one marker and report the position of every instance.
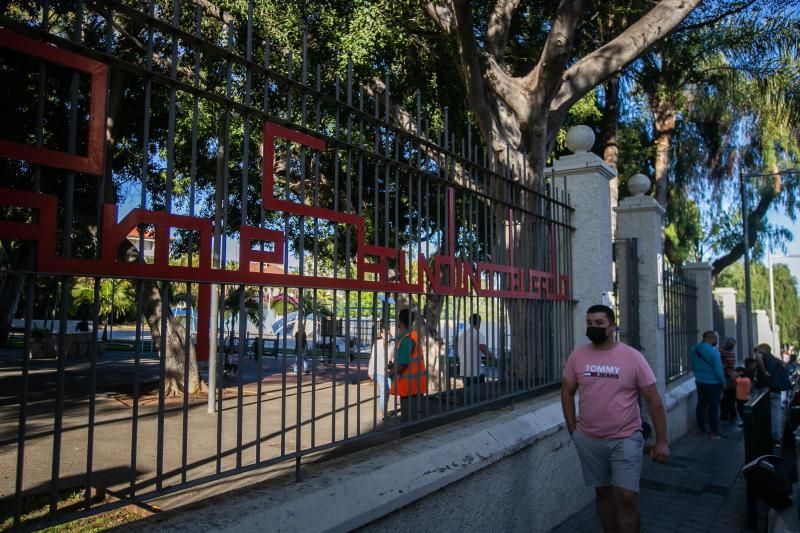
(660, 452)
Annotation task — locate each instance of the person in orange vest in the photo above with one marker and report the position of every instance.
(409, 377)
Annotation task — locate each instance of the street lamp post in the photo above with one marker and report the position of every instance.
(746, 228)
(748, 316)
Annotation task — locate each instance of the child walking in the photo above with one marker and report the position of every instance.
(743, 387)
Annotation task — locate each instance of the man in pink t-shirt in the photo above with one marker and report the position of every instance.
(609, 376)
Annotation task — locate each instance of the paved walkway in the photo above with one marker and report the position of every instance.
(700, 489)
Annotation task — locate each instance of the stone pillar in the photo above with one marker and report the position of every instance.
(585, 176)
(701, 273)
(726, 302)
(641, 217)
(763, 331)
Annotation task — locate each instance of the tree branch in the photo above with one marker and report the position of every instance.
(470, 61)
(714, 20)
(754, 219)
(615, 55)
(441, 12)
(546, 77)
(215, 11)
(499, 26)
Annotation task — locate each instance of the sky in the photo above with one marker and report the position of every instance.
(792, 248)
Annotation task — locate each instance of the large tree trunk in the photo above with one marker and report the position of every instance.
(13, 282)
(175, 356)
(664, 127)
(435, 347)
(609, 127)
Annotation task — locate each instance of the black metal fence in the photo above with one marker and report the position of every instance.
(680, 320)
(350, 209)
(626, 290)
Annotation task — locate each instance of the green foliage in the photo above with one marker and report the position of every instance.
(684, 231)
(118, 295)
(787, 302)
(733, 86)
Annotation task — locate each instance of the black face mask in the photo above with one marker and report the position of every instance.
(597, 335)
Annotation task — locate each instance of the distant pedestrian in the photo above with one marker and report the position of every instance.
(728, 405)
(471, 345)
(743, 387)
(609, 376)
(300, 348)
(710, 379)
(380, 358)
(772, 374)
(409, 377)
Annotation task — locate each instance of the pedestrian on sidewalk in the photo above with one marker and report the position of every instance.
(471, 345)
(728, 405)
(607, 434)
(709, 379)
(772, 374)
(379, 360)
(408, 374)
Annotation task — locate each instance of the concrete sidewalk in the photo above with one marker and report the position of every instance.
(700, 489)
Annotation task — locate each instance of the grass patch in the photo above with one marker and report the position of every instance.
(36, 508)
(100, 522)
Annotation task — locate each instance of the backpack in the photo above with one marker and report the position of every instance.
(779, 376)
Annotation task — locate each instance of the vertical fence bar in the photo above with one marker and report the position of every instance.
(69, 193)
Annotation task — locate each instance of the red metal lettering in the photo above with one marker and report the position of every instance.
(93, 163)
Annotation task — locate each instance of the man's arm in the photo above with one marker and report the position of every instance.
(568, 389)
(660, 452)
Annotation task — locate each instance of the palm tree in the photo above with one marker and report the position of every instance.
(232, 307)
(115, 295)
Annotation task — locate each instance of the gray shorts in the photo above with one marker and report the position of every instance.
(610, 462)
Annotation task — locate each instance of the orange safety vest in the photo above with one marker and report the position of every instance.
(414, 379)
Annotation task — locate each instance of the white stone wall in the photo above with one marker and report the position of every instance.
(763, 331)
(725, 298)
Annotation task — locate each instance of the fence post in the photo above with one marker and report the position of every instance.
(585, 177)
(701, 273)
(641, 217)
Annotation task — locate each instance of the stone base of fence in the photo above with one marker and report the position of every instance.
(509, 470)
(680, 401)
(515, 469)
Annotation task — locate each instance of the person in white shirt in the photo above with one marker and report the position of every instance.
(471, 344)
(381, 356)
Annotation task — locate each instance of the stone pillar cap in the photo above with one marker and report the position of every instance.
(697, 266)
(580, 139)
(638, 184)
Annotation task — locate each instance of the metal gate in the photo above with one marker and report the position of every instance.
(626, 290)
(680, 314)
(171, 188)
